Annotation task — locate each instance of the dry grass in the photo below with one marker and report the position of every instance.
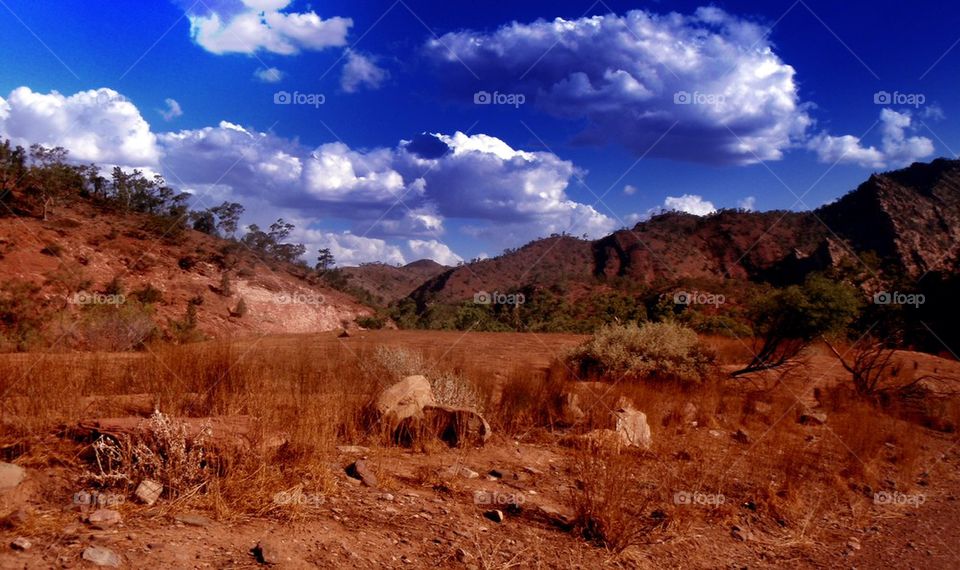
(315, 395)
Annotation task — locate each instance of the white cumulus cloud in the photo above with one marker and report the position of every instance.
(99, 125)
(689, 203)
(361, 71)
(172, 111)
(350, 249)
(433, 249)
(250, 26)
(268, 75)
(711, 79)
(747, 203)
(896, 148)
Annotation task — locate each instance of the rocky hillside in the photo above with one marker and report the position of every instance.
(86, 276)
(910, 218)
(388, 283)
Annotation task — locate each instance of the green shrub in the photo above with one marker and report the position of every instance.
(149, 295)
(52, 249)
(115, 328)
(371, 322)
(658, 351)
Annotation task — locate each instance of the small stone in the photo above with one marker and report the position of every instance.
(192, 519)
(740, 534)
(148, 491)
(463, 556)
(101, 556)
(853, 544)
(273, 551)
(361, 470)
(813, 418)
(16, 518)
(11, 476)
(21, 543)
(762, 408)
(103, 518)
(387, 497)
(496, 516)
(741, 436)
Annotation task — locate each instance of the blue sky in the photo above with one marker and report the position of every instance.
(615, 111)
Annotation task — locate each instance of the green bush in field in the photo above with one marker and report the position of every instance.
(660, 351)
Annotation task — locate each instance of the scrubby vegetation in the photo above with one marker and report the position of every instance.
(449, 387)
(651, 351)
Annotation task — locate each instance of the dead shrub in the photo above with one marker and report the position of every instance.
(610, 508)
(165, 452)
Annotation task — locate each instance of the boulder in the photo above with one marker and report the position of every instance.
(362, 471)
(457, 426)
(100, 556)
(409, 413)
(405, 399)
(104, 518)
(11, 476)
(633, 427)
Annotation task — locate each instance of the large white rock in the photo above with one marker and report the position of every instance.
(633, 427)
(10, 476)
(406, 398)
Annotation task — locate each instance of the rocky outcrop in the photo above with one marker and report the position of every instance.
(910, 218)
